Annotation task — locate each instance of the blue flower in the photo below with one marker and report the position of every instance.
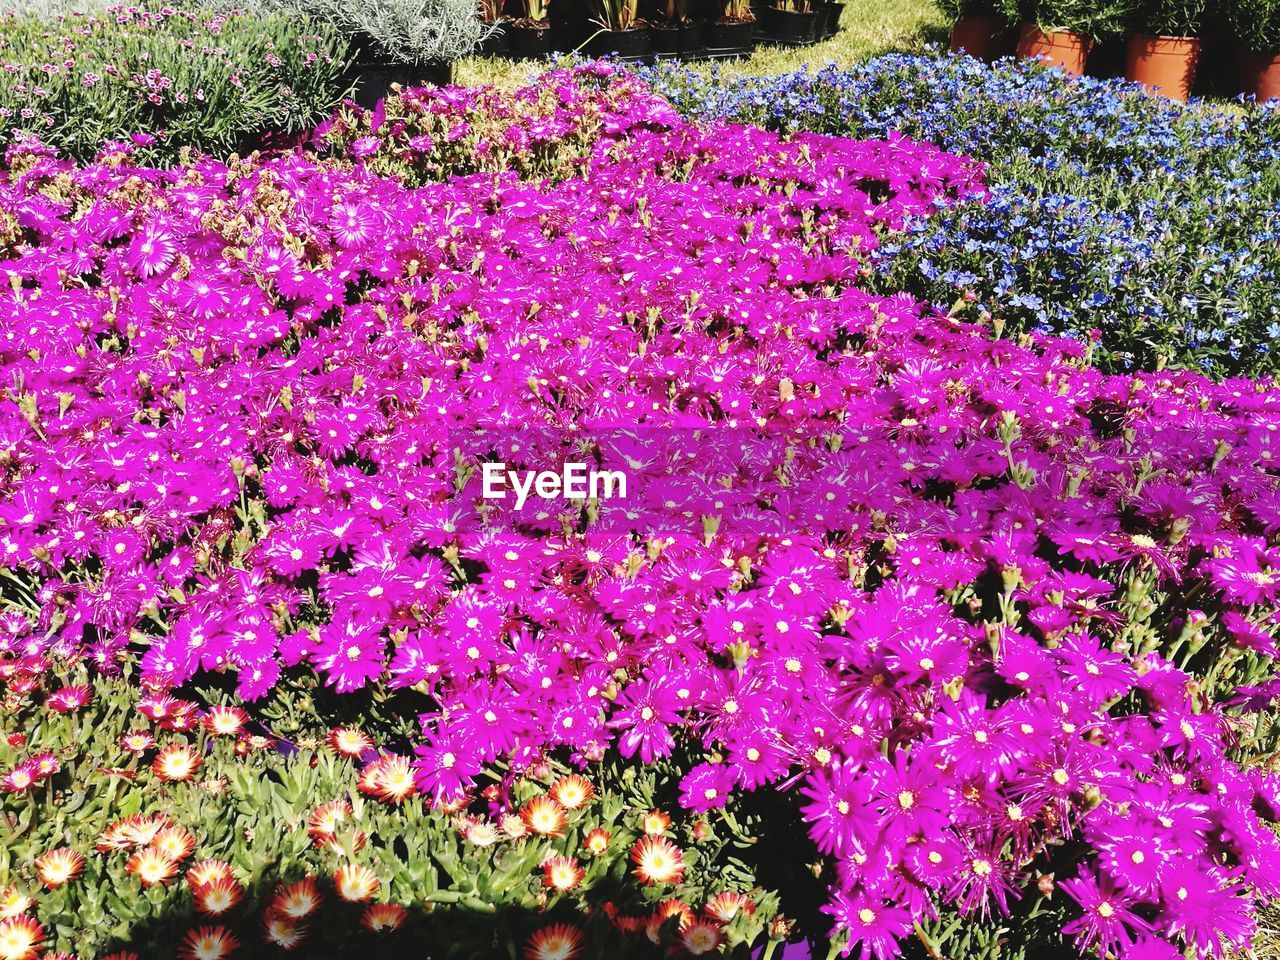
(1157, 222)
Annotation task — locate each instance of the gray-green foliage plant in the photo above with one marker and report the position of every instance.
(405, 31)
(208, 79)
(1095, 19)
(1171, 18)
(1255, 23)
(49, 9)
(1014, 11)
(955, 10)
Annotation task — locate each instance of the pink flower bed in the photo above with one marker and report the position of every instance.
(984, 612)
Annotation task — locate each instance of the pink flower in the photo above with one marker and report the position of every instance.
(349, 655)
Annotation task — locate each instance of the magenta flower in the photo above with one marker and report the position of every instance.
(153, 249)
(1204, 909)
(872, 924)
(899, 573)
(1108, 922)
(644, 715)
(707, 786)
(69, 699)
(349, 656)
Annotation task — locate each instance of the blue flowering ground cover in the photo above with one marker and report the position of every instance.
(1148, 227)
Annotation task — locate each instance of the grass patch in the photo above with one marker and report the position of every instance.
(871, 27)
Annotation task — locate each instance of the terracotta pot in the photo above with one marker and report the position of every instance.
(1164, 65)
(1061, 48)
(975, 36)
(1260, 75)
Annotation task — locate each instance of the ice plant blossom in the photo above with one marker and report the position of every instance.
(936, 587)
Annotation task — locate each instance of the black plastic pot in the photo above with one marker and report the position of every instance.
(571, 24)
(498, 41)
(789, 26)
(531, 41)
(835, 10)
(372, 81)
(675, 39)
(820, 15)
(633, 44)
(729, 35)
(705, 11)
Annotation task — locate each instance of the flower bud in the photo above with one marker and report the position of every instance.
(1045, 884)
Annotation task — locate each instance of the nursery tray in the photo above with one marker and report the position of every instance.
(789, 42)
(703, 54)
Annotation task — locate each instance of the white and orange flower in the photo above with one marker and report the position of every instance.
(451, 804)
(20, 938)
(723, 907)
(544, 816)
(281, 931)
(701, 936)
(176, 762)
(215, 898)
(208, 871)
(560, 941)
(665, 912)
(481, 832)
(597, 841)
(573, 791)
(13, 902)
(325, 819)
(389, 778)
(381, 917)
(141, 830)
(621, 921)
(513, 826)
(207, 943)
(350, 741)
(298, 900)
(175, 842)
(356, 883)
(225, 721)
(657, 860)
(58, 867)
(134, 831)
(151, 867)
(561, 873)
(655, 823)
